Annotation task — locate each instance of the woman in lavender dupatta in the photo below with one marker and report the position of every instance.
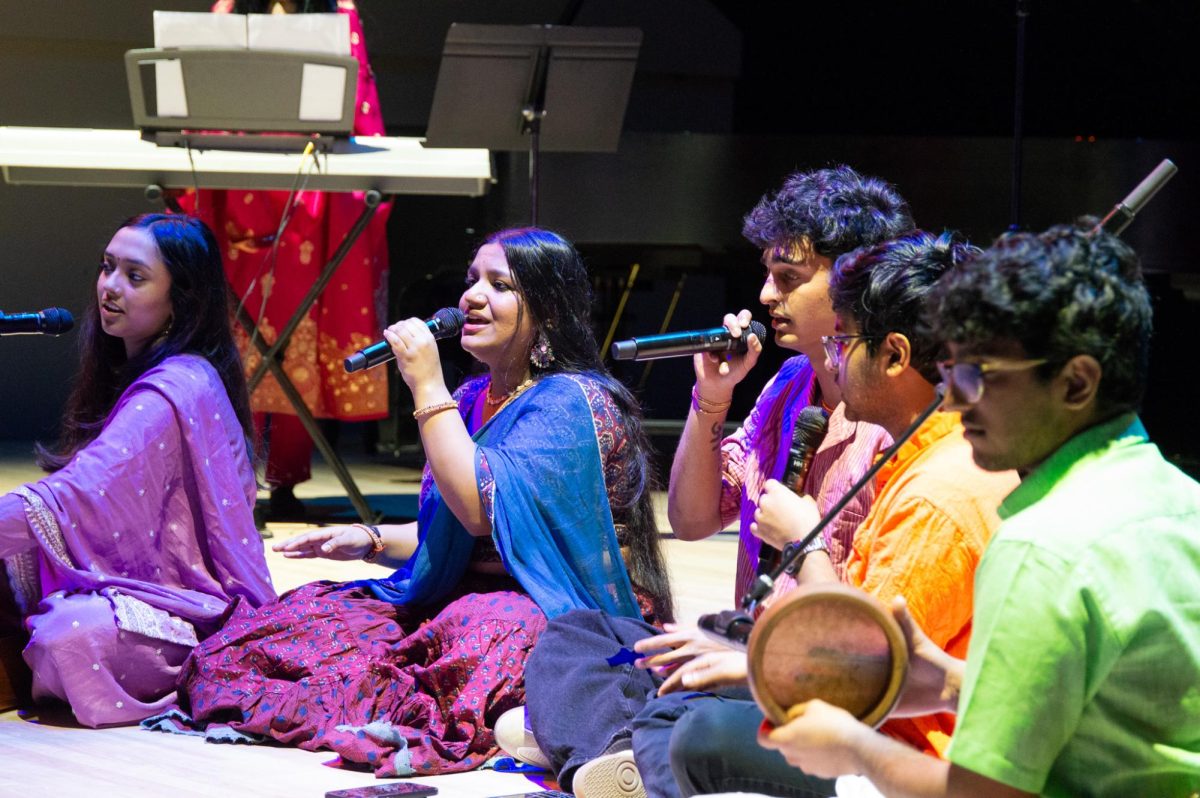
(535, 501)
(132, 549)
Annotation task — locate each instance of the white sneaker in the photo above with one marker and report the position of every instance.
(609, 776)
(515, 739)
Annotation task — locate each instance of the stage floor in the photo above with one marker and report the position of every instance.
(47, 754)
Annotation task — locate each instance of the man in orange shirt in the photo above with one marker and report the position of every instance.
(922, 540)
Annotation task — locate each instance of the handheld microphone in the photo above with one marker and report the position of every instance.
(678, 344)
(807, 434)
(811, 424)
(51, 321)
(445, 323)
(734, 626)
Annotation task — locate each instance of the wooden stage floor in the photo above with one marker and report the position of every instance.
(47, 754)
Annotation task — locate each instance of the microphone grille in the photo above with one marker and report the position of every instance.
(811, 423)
(449, 321)
(759, 331)
(57, 320)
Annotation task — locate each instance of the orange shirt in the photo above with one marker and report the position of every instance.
(932, 517)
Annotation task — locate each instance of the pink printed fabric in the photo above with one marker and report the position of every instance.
(402, 689)
(752, 455)
(271, 282)
(153, 523)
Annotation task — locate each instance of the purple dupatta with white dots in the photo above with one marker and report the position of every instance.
(156, 513)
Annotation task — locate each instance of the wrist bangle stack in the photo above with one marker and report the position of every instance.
(376, 541)
(432, 410)
(702, 405)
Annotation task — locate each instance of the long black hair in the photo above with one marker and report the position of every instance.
(556, 292)
(200, 301)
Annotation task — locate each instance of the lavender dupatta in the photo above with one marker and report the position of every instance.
(156, 513)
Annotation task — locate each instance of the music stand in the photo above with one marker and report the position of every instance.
(534, 88)
(282, 98)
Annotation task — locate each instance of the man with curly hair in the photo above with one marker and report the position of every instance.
(1083, 674)
(800, 229)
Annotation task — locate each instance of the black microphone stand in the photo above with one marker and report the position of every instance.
(1018, 115)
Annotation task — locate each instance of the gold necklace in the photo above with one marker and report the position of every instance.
(500, 400)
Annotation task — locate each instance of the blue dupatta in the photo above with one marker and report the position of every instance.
(551, 520)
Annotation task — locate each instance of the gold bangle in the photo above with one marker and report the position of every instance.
(376, 541)
(702, 405)
(432, 410)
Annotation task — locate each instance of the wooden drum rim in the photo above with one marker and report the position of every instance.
(870, 607)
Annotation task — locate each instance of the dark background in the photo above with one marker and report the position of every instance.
(728, 98)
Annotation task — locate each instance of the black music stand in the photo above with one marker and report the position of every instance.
(261, 73)
(533, 88)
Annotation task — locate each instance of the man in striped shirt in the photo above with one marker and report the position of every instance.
(814, 218)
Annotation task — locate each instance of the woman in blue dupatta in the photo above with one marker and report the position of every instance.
(534, 501)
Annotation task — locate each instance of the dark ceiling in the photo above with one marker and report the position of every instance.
(1126, 70)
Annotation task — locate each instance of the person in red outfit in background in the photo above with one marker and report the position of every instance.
(270, 282)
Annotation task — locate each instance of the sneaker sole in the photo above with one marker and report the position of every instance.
(612, 776)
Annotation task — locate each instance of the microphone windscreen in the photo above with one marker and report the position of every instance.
(450, 322)
(811, 424)
(57, 320)
(759, 331)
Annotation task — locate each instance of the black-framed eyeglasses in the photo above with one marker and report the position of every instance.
(966, 379)
(835, 346)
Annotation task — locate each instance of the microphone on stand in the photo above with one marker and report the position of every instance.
(678, 344)
(811, 425)
(1124, 211)
(51, 321)
(445, 323)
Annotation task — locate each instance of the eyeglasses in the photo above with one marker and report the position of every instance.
(835, 346)
(967, 378)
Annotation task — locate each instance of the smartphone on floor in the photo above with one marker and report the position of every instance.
(398, 789)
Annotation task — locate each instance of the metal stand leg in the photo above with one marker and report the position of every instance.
(272, 360)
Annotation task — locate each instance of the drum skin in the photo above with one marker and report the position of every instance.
(831, 642)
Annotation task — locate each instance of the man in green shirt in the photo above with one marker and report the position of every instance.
(1083, 672)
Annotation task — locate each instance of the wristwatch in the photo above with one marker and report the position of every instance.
(789, 551)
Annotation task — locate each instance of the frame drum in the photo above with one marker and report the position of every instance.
(831, 642)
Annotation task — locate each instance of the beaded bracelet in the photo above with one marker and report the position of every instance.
(432, 410)
(702, 405)
(376, 541)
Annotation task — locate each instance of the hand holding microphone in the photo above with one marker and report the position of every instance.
(445, 323)
(783, 515)
(733, 337)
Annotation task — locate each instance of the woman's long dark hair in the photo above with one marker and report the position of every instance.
(200, 301)
(553, 283)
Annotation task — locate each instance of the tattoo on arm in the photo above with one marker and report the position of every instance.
(717, 429)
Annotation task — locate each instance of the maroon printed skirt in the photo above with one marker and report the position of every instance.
(403, 690)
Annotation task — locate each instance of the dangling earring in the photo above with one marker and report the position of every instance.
(541, 355)
(162, 336)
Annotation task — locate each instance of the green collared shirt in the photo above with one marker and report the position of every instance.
(1083, 673)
